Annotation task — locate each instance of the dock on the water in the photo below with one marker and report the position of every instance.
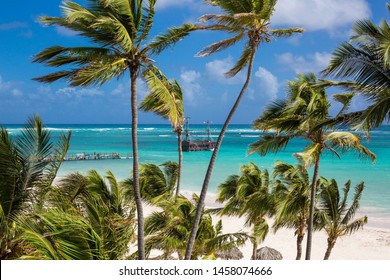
(89, 156)
(95, 156)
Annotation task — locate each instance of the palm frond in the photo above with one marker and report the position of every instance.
(165, 98)
(170, 37)
(269, 143)
(241, 63)
(221, 45)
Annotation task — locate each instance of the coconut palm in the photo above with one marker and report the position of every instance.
(248, 21)
(363, 66)
(86, 217)
(119, 31)
(305, 114)
(29, 162)
(293, 200)
(156, 181)
(334, 214)
(249, 195)
(166, 100)
(168, 230)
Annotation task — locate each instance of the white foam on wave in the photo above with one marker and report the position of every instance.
(164, 135)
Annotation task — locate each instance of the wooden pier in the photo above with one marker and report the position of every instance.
(95, 156)
(90, 156)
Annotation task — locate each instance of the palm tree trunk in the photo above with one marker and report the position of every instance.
(207, 178)
(134, 137)
(331, 243)
(299, 246)
(313, 192)
(254, 251)
(180, 151)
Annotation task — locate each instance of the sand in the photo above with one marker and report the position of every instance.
(369, 243)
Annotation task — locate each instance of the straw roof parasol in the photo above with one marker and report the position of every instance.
(267, 253)
(232, 254)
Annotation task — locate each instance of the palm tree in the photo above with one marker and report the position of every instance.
(249, 195)
(363, 65)
(168, 230)
(119, 30)
(305, 114)
(249, 21)
(166, 100)
(156, 181)
(293, 200)
(334, 214)
(28, 165)
(86, 217)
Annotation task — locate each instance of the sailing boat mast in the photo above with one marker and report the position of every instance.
(187, 128)
(208, 123)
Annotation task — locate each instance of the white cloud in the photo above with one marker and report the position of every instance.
(216, 70)
(71, 92)
(319, 14)
(302, 64)
(267, 83)
(192, 89)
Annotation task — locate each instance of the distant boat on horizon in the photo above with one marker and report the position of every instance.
(189, 145)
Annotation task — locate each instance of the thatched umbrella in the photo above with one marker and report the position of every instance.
(232, 254)
(267, 253)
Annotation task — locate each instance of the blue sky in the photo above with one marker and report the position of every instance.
(208, 94)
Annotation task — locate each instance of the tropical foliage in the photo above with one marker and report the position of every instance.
(362, 64)
(335, 217)
(166, 100)
(86, 217)
(249, 194)
(305, 114)
(119, 32)
(28, 165)
(248, 22)
(292, 200)
(168, 230)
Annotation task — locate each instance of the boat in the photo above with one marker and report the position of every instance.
(189, 145)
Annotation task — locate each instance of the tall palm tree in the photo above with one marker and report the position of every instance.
(248, 21)
(334, 214)
(293, 200)
(305, 114)
(166, 100)
(29, 162)
(168, 230)
(249, 194)
(363, 65)
(119, 31)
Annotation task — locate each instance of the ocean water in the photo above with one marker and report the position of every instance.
(157, 144)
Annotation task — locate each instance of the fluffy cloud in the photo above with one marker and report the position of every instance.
(267, 83)
(216, 70)
(71, 92)
(191, 87)
(319, 14)
(310, 63)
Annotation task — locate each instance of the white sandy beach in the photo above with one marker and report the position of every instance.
(370, 243)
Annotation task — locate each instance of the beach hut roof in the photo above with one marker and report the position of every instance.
(267, 253)
(232, 254)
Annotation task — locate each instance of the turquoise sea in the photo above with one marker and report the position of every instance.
(157, 143)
